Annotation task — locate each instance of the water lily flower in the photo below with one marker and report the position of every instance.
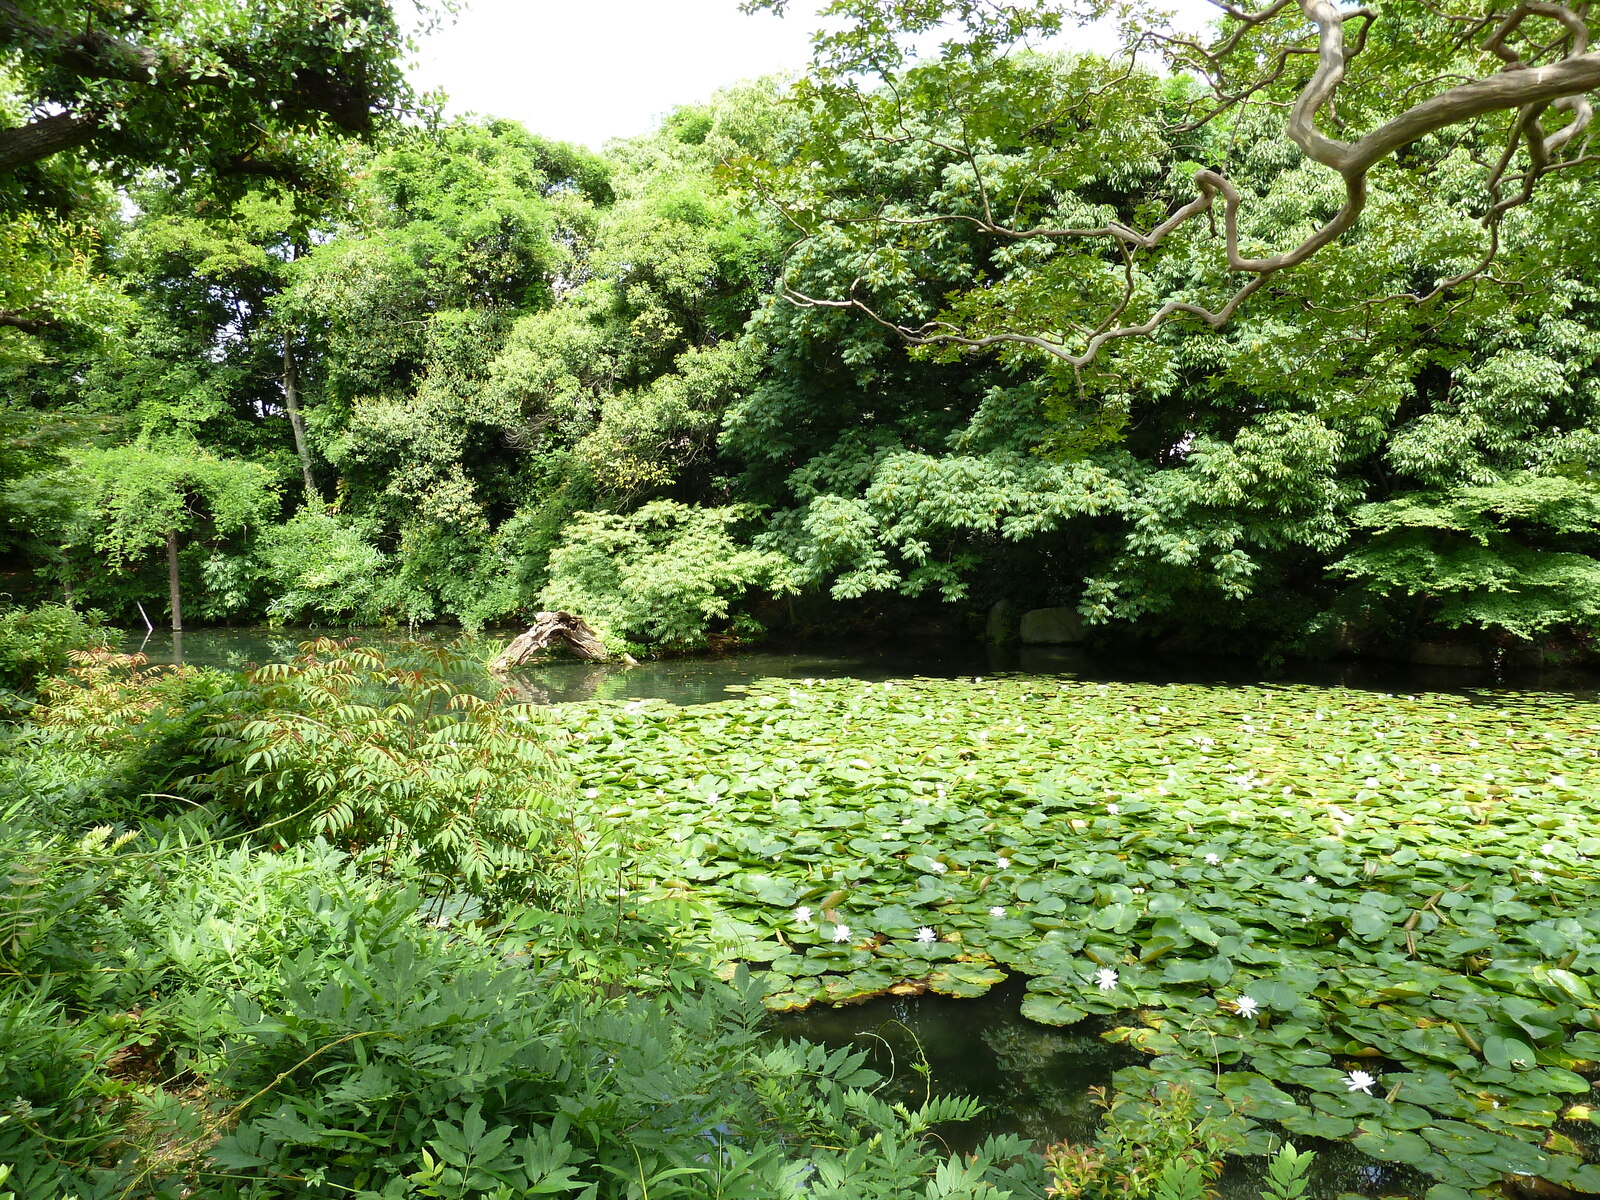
(1287, 790)
(1112, 810)
(938, 868)
(1548, 848)
(1435, 769)
(1372, 781)
(1138, 891)
(802, 915)
(841, 933)
(1536, 876)
(592, 793)
(998, 910)
(926, 934)
(1559, 780)
(1106, 978)
(1002, 862)
(1245, 1006)
(1213, 859)
(1309, 880)
(1359, 1081)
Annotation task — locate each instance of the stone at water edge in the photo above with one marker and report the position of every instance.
(1052, 627)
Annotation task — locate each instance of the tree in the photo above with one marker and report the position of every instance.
(1503, 86)
(133, 498)
(216, 94)
(195, 86)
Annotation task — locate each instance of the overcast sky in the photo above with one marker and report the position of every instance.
(588, 70)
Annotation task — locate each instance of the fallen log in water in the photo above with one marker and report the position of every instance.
(550, 629)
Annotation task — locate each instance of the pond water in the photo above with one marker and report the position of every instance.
(1035, 1080)
(704, 680)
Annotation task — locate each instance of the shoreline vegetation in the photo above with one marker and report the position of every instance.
(1318, 915)
(1277, 343)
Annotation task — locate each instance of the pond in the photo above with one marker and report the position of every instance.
(853, 746)
(704, 680)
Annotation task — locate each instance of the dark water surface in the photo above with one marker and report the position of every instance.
(1035, 1080)
(704, 680)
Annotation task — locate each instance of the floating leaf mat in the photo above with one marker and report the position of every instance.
(1405, 886)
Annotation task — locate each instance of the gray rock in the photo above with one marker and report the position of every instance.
(1052, 627)
(1443, 654)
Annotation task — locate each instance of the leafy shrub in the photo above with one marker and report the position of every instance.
(1162, 1145)
(285, 1025)
(1516, 556)
(343, 744)
(125, 735)
(661, 575)
(35, 642)
(317, 565)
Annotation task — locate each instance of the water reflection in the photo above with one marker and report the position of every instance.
(703, 680)
(1033, 1079)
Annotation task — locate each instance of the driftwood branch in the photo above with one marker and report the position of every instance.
(550, 629)
(1522, 87)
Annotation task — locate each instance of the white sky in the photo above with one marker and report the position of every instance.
(588, 70)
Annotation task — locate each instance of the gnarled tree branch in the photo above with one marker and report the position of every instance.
(1528, 88)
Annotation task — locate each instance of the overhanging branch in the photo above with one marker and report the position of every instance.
(1527, 86)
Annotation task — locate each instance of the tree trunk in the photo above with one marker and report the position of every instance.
(548, 629)
(297, 422)
(172, 580)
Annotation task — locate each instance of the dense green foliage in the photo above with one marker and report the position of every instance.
(38, 643)
(1403, 885)
(320, 977)
(505, 356)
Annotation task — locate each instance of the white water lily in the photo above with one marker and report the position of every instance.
(1246, 1006)
(925, 934)
(1138, 891)
(1213, 859)
(1106, 978)
(802, 915)
(1359, 1081)
(938, 868)
(591, 793)
(1112, 810)
(1435, 769)
(1536, 876)
(1372, 781)
(1309, 880)
(998, 910)
(1002, 862)
(841, 933)
(1559, 780)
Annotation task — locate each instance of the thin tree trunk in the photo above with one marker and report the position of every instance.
(172, 580)
(297, 421)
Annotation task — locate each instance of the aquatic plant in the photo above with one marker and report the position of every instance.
(1403, 886)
